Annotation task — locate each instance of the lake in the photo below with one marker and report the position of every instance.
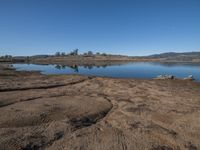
(142, 70)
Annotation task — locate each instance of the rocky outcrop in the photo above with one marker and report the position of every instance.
(190, 77)
(165, 77)
(171, 77)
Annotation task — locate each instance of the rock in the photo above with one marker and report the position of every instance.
(165, 77)
(190, 77)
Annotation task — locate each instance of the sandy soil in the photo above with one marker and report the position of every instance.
(70, 112)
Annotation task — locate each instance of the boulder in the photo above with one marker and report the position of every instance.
(190, 77)
(165, 77)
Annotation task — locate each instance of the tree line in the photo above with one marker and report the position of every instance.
(76, 53)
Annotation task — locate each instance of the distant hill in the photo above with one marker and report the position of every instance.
(172, 56)
(83, 58)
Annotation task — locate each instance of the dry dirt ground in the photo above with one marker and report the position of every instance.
(70, 112)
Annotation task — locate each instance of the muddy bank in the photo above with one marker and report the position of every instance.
(71, 112)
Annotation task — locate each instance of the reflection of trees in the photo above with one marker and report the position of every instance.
(90, 66)
(104, 66)
(58, 67)
(63, 66)
(74, 67)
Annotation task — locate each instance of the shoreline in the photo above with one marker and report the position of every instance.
(98, 59)
(158, 77)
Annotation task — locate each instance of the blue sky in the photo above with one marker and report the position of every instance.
(130, 27)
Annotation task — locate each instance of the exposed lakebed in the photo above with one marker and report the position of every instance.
(142, 70)
(80, 112)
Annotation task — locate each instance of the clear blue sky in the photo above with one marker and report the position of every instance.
(131, 27)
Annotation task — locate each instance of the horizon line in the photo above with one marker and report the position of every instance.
(66, 53)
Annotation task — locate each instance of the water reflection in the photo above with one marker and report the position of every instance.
(174, 64)
(76, 67)
(128, 70)
(61, 67)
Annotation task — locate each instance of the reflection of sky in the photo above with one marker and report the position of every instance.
(130, 70)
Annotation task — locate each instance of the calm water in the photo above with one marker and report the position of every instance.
(131, 70)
